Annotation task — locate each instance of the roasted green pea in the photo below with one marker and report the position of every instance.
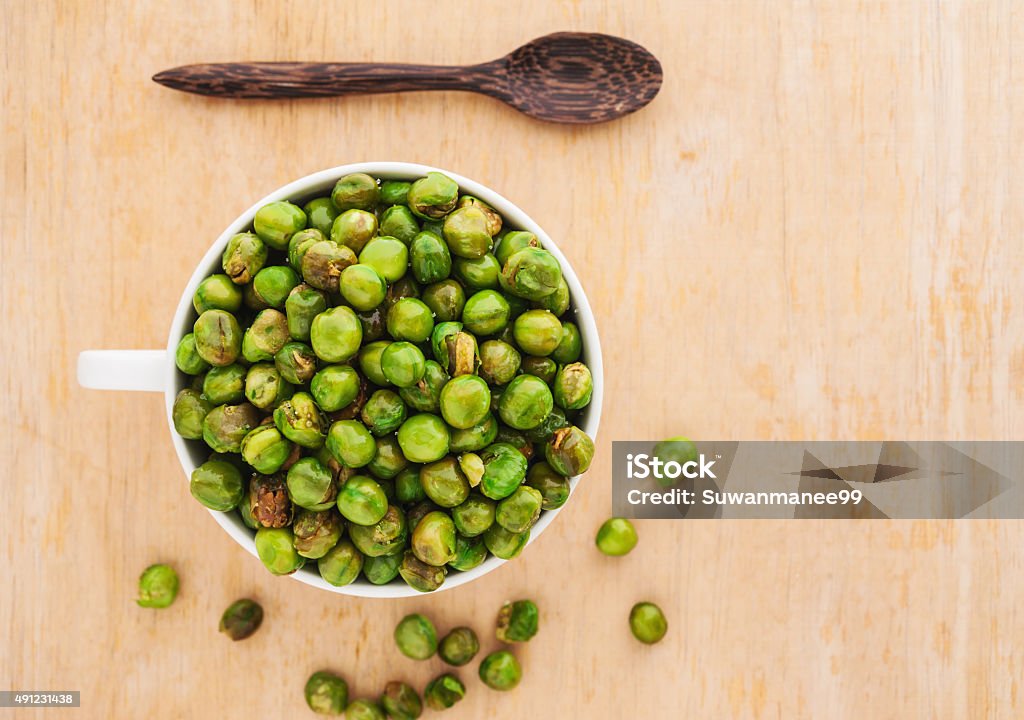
(326, 693)
(543, 367)
(517, 306)
(433, 539)
(424, 438)
(410, 319)
(296, 362)
(459, 646)
(526, 402)
(342, 564)
(400, 701)
(300, 420)
(355, 190)
(553, 487)
(311, 485)
(323, 263)
(444, 482)
(384, 412)
(334, 387)
(518, 621)
(353, 229)
(676, 449)
(387, 536)
(416, 637)
(515, 438)
(387, 255)
(320, 213)
(425, 394)
(531, 273)
(537, 332)
(362, 500)
(570, 346)
(519, 511)
(373, 322)
(269, 501)
(364, 710)
(276, 222)
(187, 358)
(241, 619)
(557, 302)
(433, 196)
(474, 515)
(542, 433)
(370, 362)
(573, 386)
(226, 425)
(616, 537)
(188, 412)
(300, 242)
(266, 336)
(317, 532)
(494, 221)
(217, 292)
(243, 257)
(217, 485)
(251, 300)
(477, 273)
(403, 364)
(504, 470)
(272, 284)
(398, 221)
(393, 192)
(439, 341)
(443, 692)
(265, 449)
(382, 570)
(512, 242)
(469, 552)
(276, 550)
(264, 386)
(419, 575)
(336, 334)
(430, 259)
(647, 622)
(408, 489)
(158, 586)
(499, 362)
(465, 401)
(302, 306)
(569, 451)
(500, 671)
(446, 299)
(465, 232)
(404, 287)
(351, 443)
(218, 337)
(362, 287)
(486, 313)
(476, 437)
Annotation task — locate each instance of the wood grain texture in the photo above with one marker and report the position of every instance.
(813, 232)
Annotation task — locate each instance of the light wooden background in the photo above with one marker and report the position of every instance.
(813, 232)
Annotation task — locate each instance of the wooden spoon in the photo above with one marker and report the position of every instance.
(564, 77)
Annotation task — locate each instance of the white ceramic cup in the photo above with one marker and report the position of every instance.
(154, 370)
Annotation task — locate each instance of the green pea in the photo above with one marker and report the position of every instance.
(433, 539)
(217, 292)
(433, 196)
(504, 471)
(573, 386)
(389, 461)
(382, 570)
(526, 402)
(543, 367)
(342, 564)
(478, 273)
(476, 437)
(326, 693)
(531, 273)
(474, 515)
(334, 387)
(466, 232)
(398, 221)
(519, 511)
(324, 262)
(393, 192)
(354, 229)
(424, 438)
(465, 401)
(486, 313)
(355, 190)
(616, 537)
(370, 362)
(276, 550)
(362, 287)
(387, 255)
(299, 245)
(569, 346)
(387, 536)
(443, 692)
(647, 622)
(554, 488)
(218, 337)
(321, 213)
(416, 637)
(188, 412)
(272, 284)
(419, 575)
(300, 420)
(187, 358)
(384, 412)
(351, 443)
(361, 500)
(557, 302)
(158, 586)
(336, 334)
(302, 306)
(265, 449)
(225, 426)
(569, 451)
(296, 362)
(243, 257)
(317, 532)
(425, 395)
(403, 364)
(537, 332)
(410, 319)
(446, 299)
(311, 485)
(518, 621)
(500, 671)
(217, 485)
(429, 258)
(469, 553)
(512, 242)
(266, 336)
(444, 482)
(277, 222)
(499, 362)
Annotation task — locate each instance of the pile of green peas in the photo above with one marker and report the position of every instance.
(388, 380)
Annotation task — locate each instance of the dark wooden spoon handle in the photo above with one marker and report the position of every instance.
(301, 80)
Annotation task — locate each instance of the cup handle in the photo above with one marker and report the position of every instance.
(122, 369)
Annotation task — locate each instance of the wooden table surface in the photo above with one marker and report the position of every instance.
(813, 232)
